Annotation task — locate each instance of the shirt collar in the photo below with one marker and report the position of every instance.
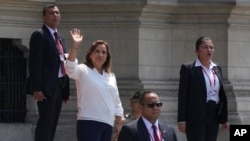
(149, 124)
(52, 31)
(198, 63)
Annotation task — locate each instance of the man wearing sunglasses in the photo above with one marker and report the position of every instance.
(148, 127)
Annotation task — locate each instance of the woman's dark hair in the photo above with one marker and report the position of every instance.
(107, 64)
(200, 40)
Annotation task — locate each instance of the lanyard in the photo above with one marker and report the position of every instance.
(210, 81)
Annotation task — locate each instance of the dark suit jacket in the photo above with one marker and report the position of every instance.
(192, 95)
(137, 131)
(44, 63)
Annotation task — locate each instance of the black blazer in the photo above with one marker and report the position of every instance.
(137, 131)
(44, 63)
(192, 95)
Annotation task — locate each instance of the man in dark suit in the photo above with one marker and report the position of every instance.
(143, 129)
(202, 101)
(49, 84)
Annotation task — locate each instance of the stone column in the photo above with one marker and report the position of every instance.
(238, 57)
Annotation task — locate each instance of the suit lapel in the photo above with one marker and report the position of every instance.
(164, 132)
(52, 40)
(144, 135)
(218, 73)
(222, 96)
(199, 73)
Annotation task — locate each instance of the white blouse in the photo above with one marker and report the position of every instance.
(97, 94)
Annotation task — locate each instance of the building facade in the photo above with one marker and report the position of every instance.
(149, 40)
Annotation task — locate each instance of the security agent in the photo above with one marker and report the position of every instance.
(135, 112)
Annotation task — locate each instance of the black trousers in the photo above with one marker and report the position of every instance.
(207, 131)
(89, 130)
(49, 111)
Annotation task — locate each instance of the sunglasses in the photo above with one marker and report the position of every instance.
(152, 105)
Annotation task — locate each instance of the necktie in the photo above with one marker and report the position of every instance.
(156, 138)
(60, 51)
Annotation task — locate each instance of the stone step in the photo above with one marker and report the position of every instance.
(66, 129)
(25, 132)
(16, 132)
(63, 133)
(66, 118)
(66, 133)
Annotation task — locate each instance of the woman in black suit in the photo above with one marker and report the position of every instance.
(202, 101)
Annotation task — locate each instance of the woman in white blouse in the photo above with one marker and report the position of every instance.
(98, 102)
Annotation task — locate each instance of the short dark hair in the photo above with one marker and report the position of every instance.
(200, 40)
(143, 95)
(46, 7)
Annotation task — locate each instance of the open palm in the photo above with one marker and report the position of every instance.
(76, 35)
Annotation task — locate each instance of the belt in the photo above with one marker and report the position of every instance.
(211, 102)
(61, 80)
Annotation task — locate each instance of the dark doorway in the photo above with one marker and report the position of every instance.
(12, 79)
